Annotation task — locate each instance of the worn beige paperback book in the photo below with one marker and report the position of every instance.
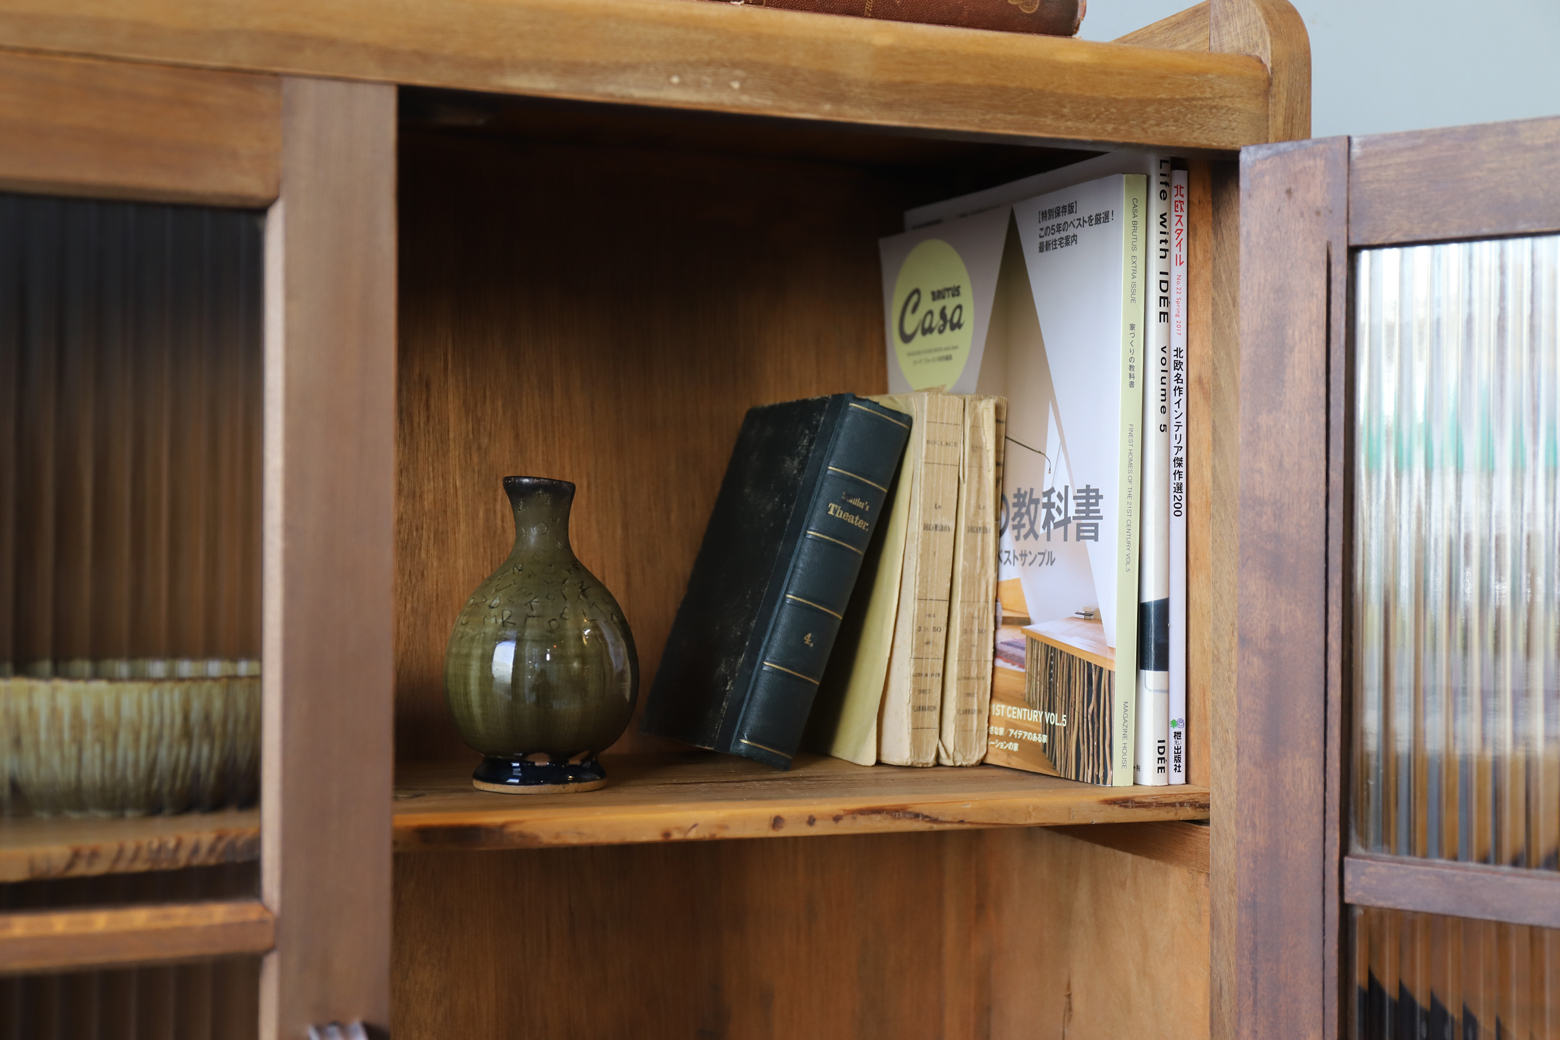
(971, 615)
(910, 721)
(881, 698)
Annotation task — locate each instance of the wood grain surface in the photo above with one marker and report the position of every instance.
(1293, 240)
(1177, 842)
(946, 166)
(957, 936)
(127, 131)
(1339, 994)
(546, 333)
(1215, 614)
(1207, 530)
(37, 848)
(1273, 31)
(715, 57)
(1530, 897)
(329, 558)
(702, 796)
(1074, 921)
(1186, 30)
(48, 939)
(1461, 182)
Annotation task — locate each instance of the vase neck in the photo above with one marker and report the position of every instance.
(541, 509)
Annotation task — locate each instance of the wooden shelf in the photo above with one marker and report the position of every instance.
(712, 57)
(652, 798)
(34, 848)
(102, 936)
(700, 796)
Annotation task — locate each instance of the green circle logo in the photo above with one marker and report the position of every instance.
(933, 321)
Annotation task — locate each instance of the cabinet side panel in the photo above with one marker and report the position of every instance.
(1006, 934)
(790, 937)
(1273, 31)
(1219, 541)
(1208, 369)
(1092, 941)
(328, 559)
(1293, 213)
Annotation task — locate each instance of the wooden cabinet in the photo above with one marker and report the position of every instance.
(528, 236)
(317, 156)
(1297, 864)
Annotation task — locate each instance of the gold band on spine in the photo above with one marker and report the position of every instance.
(880, 415)
(819, 606)
(761, 747)
(857, 476)
(782, 668)
(836, 541)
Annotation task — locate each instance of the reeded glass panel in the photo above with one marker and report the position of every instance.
(130, 402)
(206, 1000)
(210, 1000)
(1426, 977)
(1456, 641)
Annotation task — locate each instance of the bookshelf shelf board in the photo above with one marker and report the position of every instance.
(701, 796)
(706, 56)
(35, 848)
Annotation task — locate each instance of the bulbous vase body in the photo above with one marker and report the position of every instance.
(540, 673)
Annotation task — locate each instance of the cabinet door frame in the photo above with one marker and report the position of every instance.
(319, 157)
(1304, 206)
(328, 560)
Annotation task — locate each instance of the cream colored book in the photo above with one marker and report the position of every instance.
(844, 717)
(909, 722)
(966, 692)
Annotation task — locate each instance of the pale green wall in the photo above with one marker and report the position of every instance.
(1383, 65)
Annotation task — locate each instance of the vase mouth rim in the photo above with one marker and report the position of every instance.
(537, 484)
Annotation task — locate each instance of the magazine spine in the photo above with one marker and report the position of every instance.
(1152, 765)
(1134, 232)
(1179, 388)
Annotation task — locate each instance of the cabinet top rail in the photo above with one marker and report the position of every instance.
(702, 56)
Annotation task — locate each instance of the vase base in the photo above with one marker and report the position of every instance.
(585, 785)
(525, 775)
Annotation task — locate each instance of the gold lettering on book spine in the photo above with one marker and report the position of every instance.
(850, 518)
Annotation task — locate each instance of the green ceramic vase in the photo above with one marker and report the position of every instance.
(540, 673)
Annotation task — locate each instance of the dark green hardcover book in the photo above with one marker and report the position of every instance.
(805, 488)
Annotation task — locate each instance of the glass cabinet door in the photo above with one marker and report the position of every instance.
(130, 386)
(130, 705)
(197, 429)
(1456, 622)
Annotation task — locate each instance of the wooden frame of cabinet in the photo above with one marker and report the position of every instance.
(319, 156)
(1304, 207)
(292, 106)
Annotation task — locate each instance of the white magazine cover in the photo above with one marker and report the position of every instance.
(938, 287)
(1004, 195)
(1067, 481)
(1051, 319)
